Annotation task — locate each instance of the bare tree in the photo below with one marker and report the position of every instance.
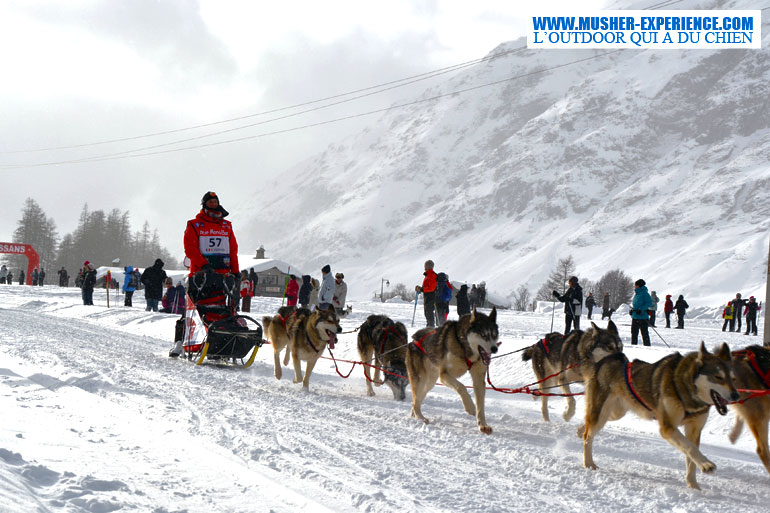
(557, 279)
(522, 298)
(618, 284)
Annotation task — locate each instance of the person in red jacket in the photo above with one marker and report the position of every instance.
(211, 247)
(292, 291)
(209, 240)
(667, 309)
(428, 290)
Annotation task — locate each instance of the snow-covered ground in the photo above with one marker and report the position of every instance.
(96, 417)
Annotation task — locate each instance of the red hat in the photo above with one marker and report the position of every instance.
(86, 262)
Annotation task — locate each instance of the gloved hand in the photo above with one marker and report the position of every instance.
(555, 294)
(207, 268)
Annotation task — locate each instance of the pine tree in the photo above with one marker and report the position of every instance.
(37, 230)
(618, 284)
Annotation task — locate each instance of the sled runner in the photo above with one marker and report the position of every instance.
(213, 329)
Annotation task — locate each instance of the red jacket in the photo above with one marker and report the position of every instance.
(429, 283)
(211, 241)
(669, 307)
(246, 289)
(292, 288)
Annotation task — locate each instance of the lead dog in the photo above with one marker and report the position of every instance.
(447, 353)
(310, 334)
(385, 340)
(277, 332)
(676, 391)
(556, 355)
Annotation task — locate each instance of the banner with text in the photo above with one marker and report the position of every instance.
(659, 30)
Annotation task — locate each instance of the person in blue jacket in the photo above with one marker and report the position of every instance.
(640, 316)
(129, 284)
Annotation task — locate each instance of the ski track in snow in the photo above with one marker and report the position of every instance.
(97, 418)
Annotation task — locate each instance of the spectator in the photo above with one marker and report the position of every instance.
(668, 308)
(326, 294)
(292, 291)
(463, 303)
(653, 312)
(9, 278)
(21, 277)
(153, 279)
(181, 298)
(129, 285)
(590, 304)
(3, 273)
(738, 306)
(573, 302)
(428, 290)
(606, 306)
(246, 292)
(483, 295)
(316, 288)
(752, 308)
(138, 276)
(41, 277)
(640, 313)
(340, 293)
(443, 297)
(728, 314)
(474, 296)
(304, 291)
(35, 276)
(168, 301)
(254, 279)
(681, 307)
(64, 278)
(79, 279)
(89, 280)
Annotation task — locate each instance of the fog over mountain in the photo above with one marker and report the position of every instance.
(655, 162)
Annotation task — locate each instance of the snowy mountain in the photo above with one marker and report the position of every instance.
(655, 162)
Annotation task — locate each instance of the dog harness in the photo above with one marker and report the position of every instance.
(543, 343)
(390, 330)
(748, 353)
(418, 343)
(285, 319)
(630, 384)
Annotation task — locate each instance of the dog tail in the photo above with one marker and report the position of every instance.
(266, 321)
(528, 353)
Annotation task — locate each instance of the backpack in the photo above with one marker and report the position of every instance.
(444, 290)
(133, 282)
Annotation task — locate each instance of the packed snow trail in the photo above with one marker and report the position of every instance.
(98, 418)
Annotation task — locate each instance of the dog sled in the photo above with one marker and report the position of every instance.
(212, 329)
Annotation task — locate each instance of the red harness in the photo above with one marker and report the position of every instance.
(630, 383)
(765, 377)
(418, 343)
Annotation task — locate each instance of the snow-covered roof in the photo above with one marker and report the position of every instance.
(263, 264)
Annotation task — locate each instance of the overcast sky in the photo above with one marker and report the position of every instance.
(79, 72)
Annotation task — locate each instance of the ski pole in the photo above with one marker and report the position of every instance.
(658, 334)
(416, 296)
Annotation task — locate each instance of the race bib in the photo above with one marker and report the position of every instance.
(214, 245)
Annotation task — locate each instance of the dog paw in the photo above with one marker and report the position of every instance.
(708, 467)
(567, 415)
(591, 466)
(487, 430)
(581, 430)
(370, 393)
(693, 485)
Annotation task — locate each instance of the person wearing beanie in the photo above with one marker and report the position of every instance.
(752, 308)
(428, 289)
(153, 279)
(668, 308)
(573, 304)
(89, 280)
(681, 307)
(326, 294)
(640, 317)
(738, 306)
(211, 247)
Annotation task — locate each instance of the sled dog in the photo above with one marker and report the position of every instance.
(447, 353)
(277, 332)
(386, 341)
(309, 335)
(676, 390)
(751, 368)
(554, 353)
